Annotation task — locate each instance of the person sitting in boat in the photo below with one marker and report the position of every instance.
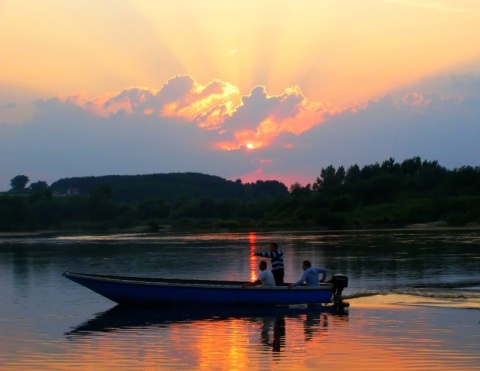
(265, 278)
(276, 258)
(310, 275)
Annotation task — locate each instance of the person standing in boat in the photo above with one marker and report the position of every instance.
(276, 258)
(265, 278)
(310, 275)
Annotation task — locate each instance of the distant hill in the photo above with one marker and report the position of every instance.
(169, 186)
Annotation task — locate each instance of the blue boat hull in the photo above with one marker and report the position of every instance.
(133, 290)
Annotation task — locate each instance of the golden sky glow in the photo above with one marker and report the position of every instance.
(342, 52)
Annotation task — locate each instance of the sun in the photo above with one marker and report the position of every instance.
(250, 146)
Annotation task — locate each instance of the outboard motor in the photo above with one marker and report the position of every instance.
(339, 282)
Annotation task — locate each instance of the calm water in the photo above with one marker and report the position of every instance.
(414, 304)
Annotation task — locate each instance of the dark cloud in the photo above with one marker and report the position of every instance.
(9, 106)
(253, 110)
(447, 130)
(64, 140)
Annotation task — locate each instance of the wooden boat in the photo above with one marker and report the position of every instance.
(136, 290)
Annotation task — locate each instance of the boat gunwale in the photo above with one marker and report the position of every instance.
(178, 283)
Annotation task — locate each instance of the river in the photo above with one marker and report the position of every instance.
(414, 303)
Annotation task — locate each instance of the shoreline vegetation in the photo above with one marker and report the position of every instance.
(414, 194)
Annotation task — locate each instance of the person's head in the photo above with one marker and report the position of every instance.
(262, 265)
(306, 264)
(273, 246)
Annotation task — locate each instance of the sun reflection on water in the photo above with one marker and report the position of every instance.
(252, 240)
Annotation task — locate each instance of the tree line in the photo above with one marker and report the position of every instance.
(381, 195)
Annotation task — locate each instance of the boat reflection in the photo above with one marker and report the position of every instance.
(315, 322)
(273, 332)
(271, 319)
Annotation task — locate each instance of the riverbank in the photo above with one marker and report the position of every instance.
(143, 230)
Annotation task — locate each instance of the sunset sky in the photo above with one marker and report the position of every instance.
(251, 89)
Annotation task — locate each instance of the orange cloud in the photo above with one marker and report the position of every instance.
(181, 96)
(213, 100)
(248, 122)
(129, 101)
(417, 100)
(261, 117)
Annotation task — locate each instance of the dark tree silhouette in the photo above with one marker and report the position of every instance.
(19, 183)
(39, 186)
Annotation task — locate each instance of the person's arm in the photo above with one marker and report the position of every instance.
(265, 254)
(324, 274)
(300, 281)
(254, 283)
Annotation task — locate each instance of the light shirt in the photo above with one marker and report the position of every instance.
(310, 276)
(267, 278)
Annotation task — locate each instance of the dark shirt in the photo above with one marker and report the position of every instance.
(276, 257)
